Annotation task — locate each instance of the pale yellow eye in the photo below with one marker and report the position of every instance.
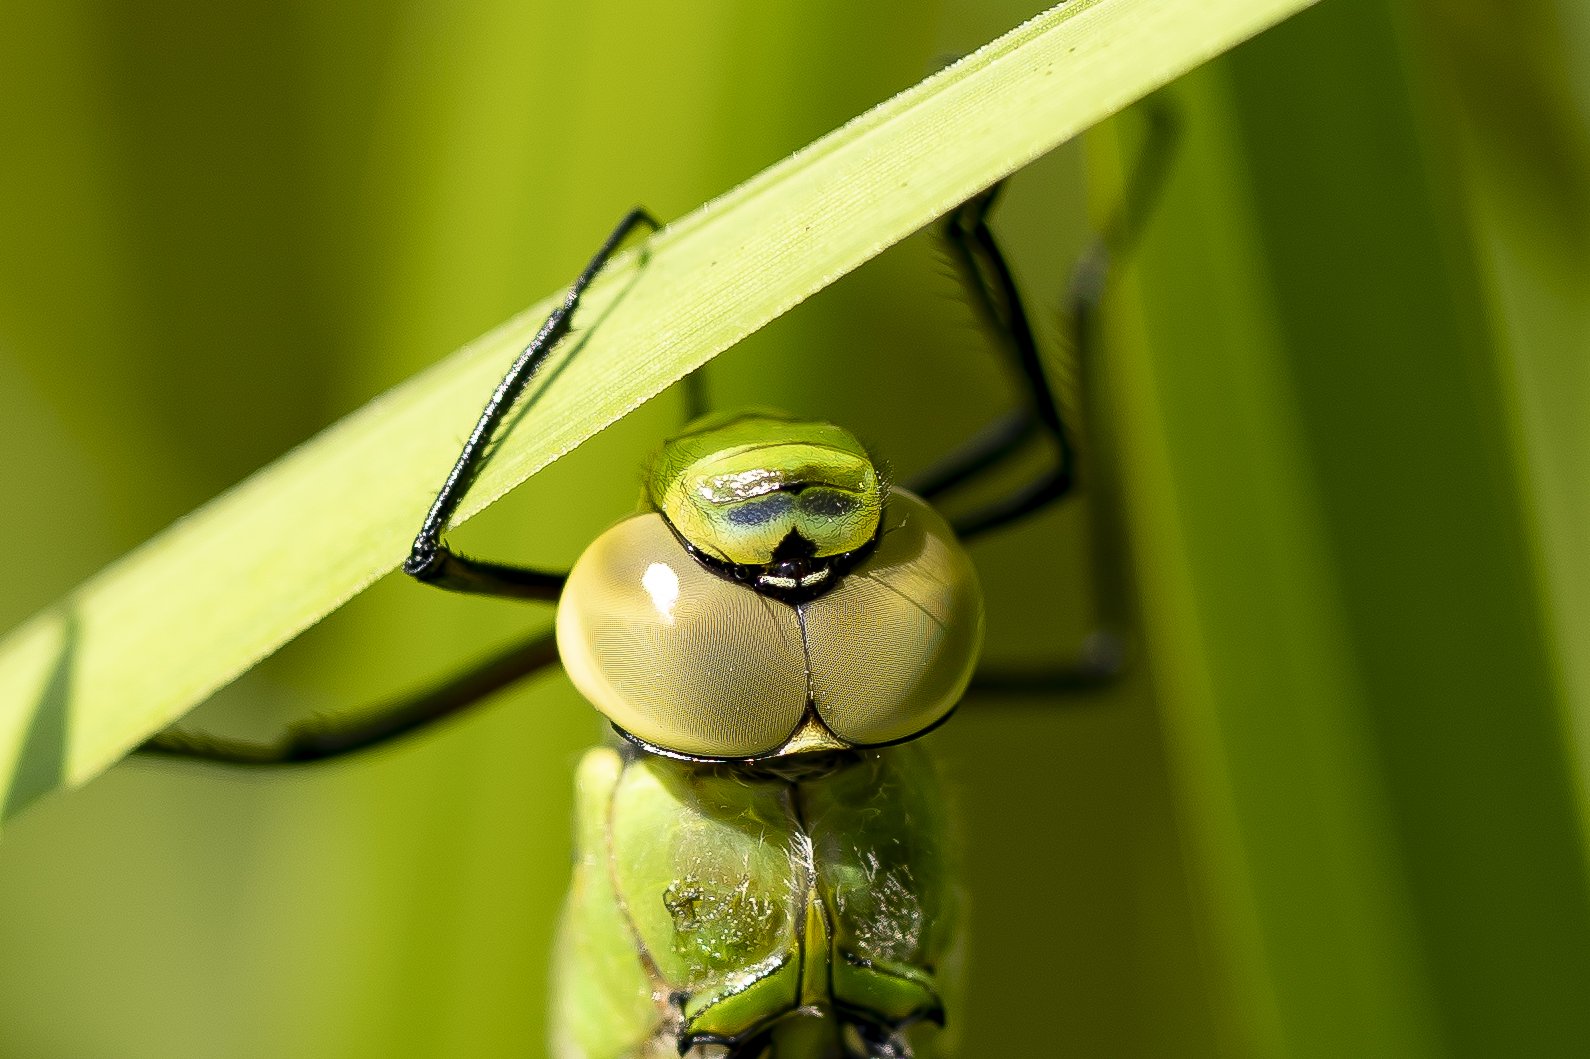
(676, 655)
(893, 646)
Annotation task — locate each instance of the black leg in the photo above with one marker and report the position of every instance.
(981, 264)
(324, 738)
(992, 291)
(430, 560)
(994, 297)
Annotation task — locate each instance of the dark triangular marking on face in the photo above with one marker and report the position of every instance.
(794, 546)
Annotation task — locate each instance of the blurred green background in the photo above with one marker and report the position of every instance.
(1337, 806)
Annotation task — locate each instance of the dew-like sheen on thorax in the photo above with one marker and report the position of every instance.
(773, 597)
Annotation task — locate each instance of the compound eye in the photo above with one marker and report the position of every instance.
(893, 645)
(675, 655)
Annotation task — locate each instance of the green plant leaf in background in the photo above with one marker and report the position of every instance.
(1355, 660)
(161, 630)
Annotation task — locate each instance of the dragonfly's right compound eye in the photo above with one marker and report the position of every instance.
(694, 663)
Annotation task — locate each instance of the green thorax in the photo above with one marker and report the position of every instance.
(752, 487)
(732, 907)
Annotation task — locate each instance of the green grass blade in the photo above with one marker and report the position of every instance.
(148, 638)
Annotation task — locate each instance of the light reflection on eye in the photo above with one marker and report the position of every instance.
(662, 584)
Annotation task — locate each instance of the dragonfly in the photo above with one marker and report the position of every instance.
(762, 869)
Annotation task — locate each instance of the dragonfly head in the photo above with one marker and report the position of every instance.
(773, 598)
